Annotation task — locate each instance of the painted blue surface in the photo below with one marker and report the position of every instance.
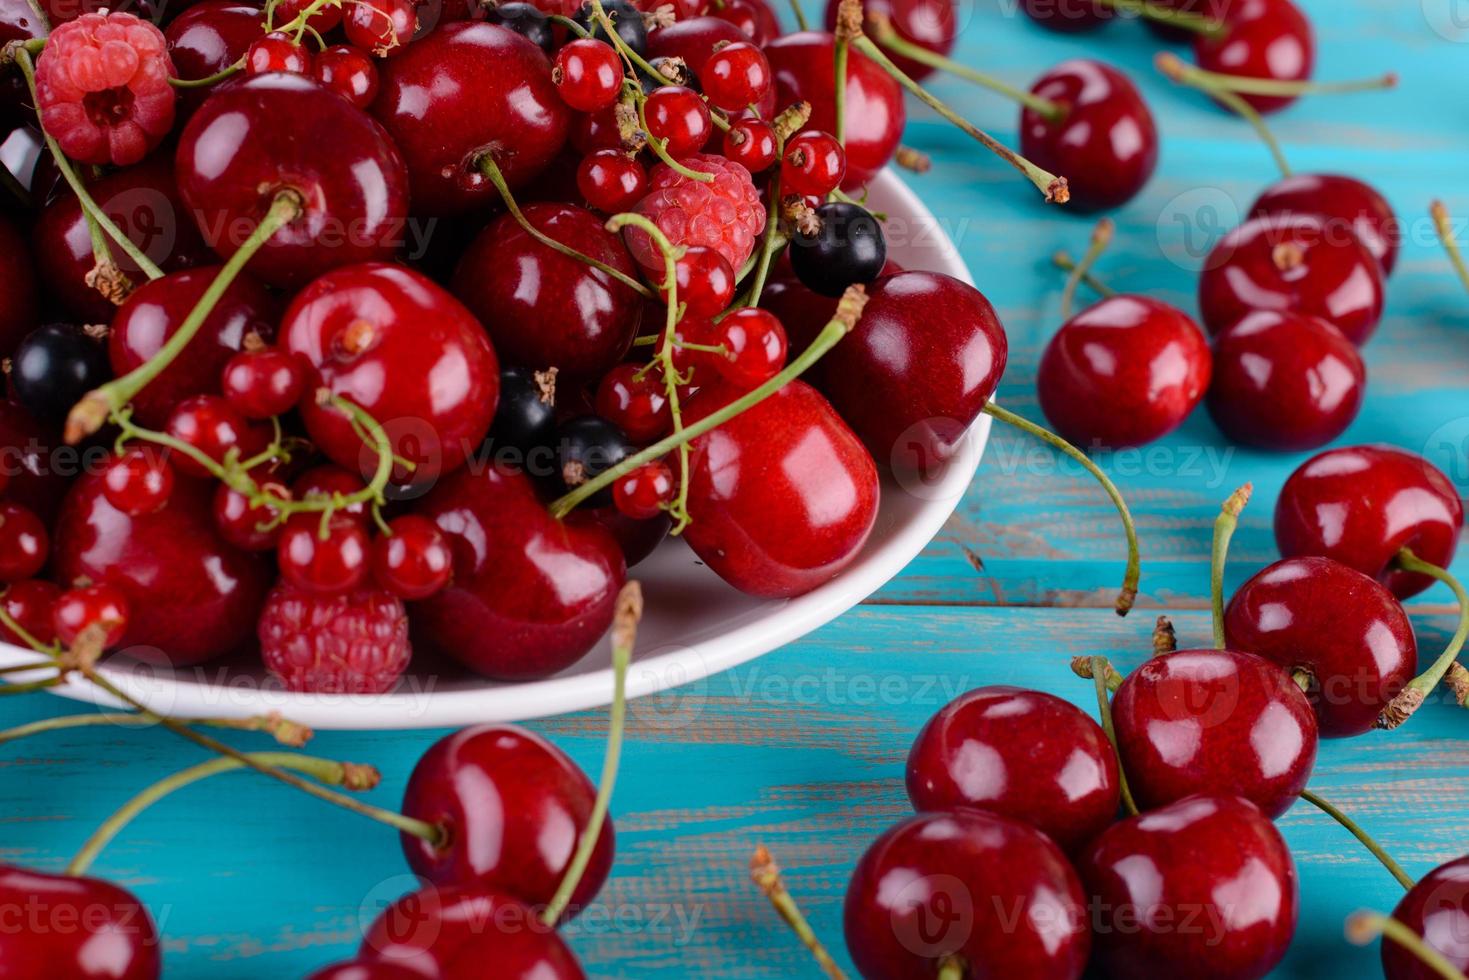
(803, 750)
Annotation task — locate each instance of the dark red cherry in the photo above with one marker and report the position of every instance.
(1269, 39)
(782, 496)
(754, 18)
(347, 71)
(90, 607)
(405, 352)
(930, 887)
(492, 94)
(285, 12)
(1436, 908)
(544, 309)
(19, 310)
(637, 538)
(155, 311)
(1285, 381)
(1022, 754)
(38, 467)
(1067, 16)
(256, 139)
(263, 383)
(1214, 721)
(365, 970)
(543, 955)
(23, 542)
(111, 936)
(804, 68)
(1345, 629)
(529, 595)
(931, 24)
(215, 428)
(1213, 863)
(1361, 505)
(139, 481)
(191, 596)
(1293, 263)
(513, 806)
(19, 21)
(414, 561)
(1123, 372)
(32, 605)
(1343, 203)
(209, 37)
(1105, 144)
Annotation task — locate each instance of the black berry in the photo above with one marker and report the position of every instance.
(848, 249)
(54, 367)
(627, 18)
(524, 430)
(588, 447)
(525, 20)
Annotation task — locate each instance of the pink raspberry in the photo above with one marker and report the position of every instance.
(725, 215)
(353, 643)
(102, 85)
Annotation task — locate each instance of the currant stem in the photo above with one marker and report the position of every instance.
(283, 731)
(1363, 927)
(1063, 260)
(224, 73)
(1101, 238)
(660, 147)
(1332, 811)
(1130, 577)
(766, 874)
(1100, 670)
(1224, 526)
(951, 968)
(1445, 227)
(1401, 708)
(1176, 70)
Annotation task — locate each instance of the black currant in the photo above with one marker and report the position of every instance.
(848, 249)
(525, 20)
(524, 430)
(627, 18)
(54, 367)
(587, 447)
(669, 70)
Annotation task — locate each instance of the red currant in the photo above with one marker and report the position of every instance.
(635, 401)
(246, 527)
(751, 143)
(611, 181)
(814, 164)
(677, 116)
(138, 482)
(383, 27)
(735, 76)
(706, 283)
(277, 52)
(755, 347)
(326, 18)
(215, 428)
(23, 543)
(94, 605)
(263, 383)
(349, 72)
(31, 605)
(335, 563)
(588, 74)
(326, 480)
(643, 492)
(414, 561)
(695, 330)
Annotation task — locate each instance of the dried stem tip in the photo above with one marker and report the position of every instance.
(1237, 500)
(359, 777)
(628, 613)
(849, 20)
(1401, 708)
(1165, 638)
(853, 302)
(792, 119)
(107, 278)
(86, 417)
(913, 160)
(1058, 192)
(1171, 65)
(1458, 681)
(285, 731)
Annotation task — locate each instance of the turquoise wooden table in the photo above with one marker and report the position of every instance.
(803, 749)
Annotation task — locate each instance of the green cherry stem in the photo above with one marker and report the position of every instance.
(1184, 74)
(1245, 85)
(1444, 225)
(800, 15)
(282, 730)
(1335, 813)
(1100, 669)
(766, 875)
(951, 968)
(1188, 21)
(1101, 238)
(1401, 708)
(224, 73)
(1224, 526)
(1064, 261)
(1364, 926)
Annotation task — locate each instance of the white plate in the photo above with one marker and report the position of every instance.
(694, 624)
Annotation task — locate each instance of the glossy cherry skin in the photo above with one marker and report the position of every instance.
(365, 970)
(19, 21)
(930, 24)
(930, 887)
(1436, 908)
(463, 91)
(529, 595)
(36, 466)
(753, 17)
(694, 40)
(256, 139)
(1123, 372)
(1344, 628)
(804, 66)
(1346, 201)
(1204, 888)
(543, 309)
(1361, 505)
(1268, 39)
(191, 596)
(207, 38)
(514, 807)
(782, 496)
(1067, 16)
(32, 605)
(1294, 263)
(18, 300)
(1214, 721)
(403, 350)
(1285, 381)
(1025, 755)
(155, 311)
(1106, 145)
(76, 929)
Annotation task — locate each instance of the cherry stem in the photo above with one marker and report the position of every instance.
(1128, 595)
(1246, 85)
(208, 80)
(1186, 20)
(1101, 238)
(1224, 526)
(624, 634)
(1063, 260)
(1176, 70)
(849, 309)
(1053, 187)
(789, 120)
(326, 771)
(1363, 927)
(1332, 811)
(284, 731)
(1101, 669)
(766, 874)
(951, 968)
(800, 15)
(1411, 698)
(1445, 227)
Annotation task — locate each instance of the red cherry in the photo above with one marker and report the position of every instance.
(347, 71)
(277, 52)
(637, 538)
(593, 131)
(1361, 505)
(540, 955)
(679, 117)
(263, 383)
(383, 27)
(695, 39)
(1025, 755)
(635, 401)
(931, 24)
(214, 34)
(736, 76)
(31, 604)
(588, 74)
(325, 18)
(215, 428)
(814, 164)
(1204, 859)
(83, 927)
(246, 527)
(643, 493)
(755, 347)
(24, 543)
(1340, 202)
(1436, 908)
(1269, 39)
(139, 482)
(927, 890)
(27, 457)
(753, 18)
(1123, 372)
(414, 561)
(751, 143)
(611, 181)
(706, 283)
(1285, 381)
(327, 560)
(19, 314)
(1067, 16)
(365, 970)
(95, 605)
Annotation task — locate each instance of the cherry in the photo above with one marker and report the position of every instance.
(530, 595)
(80, 609)
(1067, 16)
(540, 955)
(814, 164)
(929, 887)
(636, 538)
(23, 542)
(1269, 39)
(526, 20)
(323, 20)
(414, 561)
(736, 76)
(1285, 381)
(1341, 201)
(83, 927)
(251, 528)
(1123, 372)
(525, 421)
(611, 181)
(493, 91)
(1294, 263)
(263, 383)
(751, 143)
(644, 493)
(1361, 505)
(512, 807)
(1021, 754)
(327, 559)
(848, 247)
(54, 367)
(753, 18)
(215, 428)
(754, 345)
(28, 459)
(595, 131)
(1202, 887)
(930, 24)
(347, 71)
(588, 74)
(404, 351)
(1436, 908)
(277, 52)
(365, 970)
(635, 401)
(18, 299)
(19, 21)
(804, 65)
(678, 116)
(245, 313)
(584, 320)
(706, 283)
(191, 596)
(212, 35)
(1105, 141)
(626, 19)
(138, 482)
(31, 604)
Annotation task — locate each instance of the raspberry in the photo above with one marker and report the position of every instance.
(102, 88)
(350, 643)
(725, 215)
